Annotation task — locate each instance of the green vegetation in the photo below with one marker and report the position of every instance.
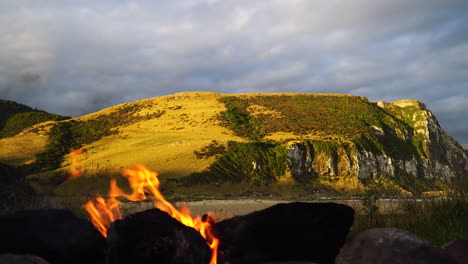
(347, 116)
(339, 118)
(369, 204)
(416, 119)
(66, 136)
(257, 162)
(238, 118)
(438, 220)
(15, 117)
(330, 147)
(417, 185)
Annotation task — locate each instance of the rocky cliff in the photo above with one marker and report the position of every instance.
(437, 154)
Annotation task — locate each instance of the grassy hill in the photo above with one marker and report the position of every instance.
(200, 142)
(15, 117)
(19, 148)
(161, 133)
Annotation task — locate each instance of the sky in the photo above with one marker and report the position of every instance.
(77, 57)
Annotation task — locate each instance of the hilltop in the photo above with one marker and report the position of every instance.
(15, 117)
(207, 139)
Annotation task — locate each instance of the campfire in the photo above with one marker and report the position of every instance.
(141, 180)
(282, 232)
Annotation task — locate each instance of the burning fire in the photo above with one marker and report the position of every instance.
(76, 168)
(103, 212)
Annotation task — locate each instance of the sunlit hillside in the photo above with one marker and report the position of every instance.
(210, 138)
(164, 142)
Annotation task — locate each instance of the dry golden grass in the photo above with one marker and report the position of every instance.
(344, 184)
(21, 149)
(163, 144)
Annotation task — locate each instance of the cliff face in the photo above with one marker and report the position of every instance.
(436, 154)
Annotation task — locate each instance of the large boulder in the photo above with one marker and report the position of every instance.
(312, 232)
(458, 249)
(56, 235)
(152, 236)
(390, 246)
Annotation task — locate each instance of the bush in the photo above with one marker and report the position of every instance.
(258, 162)
(237, 118)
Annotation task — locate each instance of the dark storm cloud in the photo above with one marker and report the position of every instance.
(76, 57)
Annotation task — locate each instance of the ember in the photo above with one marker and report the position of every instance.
(103, 212)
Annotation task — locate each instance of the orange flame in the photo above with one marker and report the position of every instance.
(76, 169)
(104, 212)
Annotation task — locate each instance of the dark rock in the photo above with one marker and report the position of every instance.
(152, 236)
(392, 246)
(458, 249)
(58, 236)
(285, 232)
(21, 259)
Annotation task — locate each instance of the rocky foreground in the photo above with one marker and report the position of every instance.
(284, 233)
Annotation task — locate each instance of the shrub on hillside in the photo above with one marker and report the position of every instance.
(258, 162)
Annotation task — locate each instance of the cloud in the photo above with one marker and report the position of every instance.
(76, 57)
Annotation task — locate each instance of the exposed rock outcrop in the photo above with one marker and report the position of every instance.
(427, 152)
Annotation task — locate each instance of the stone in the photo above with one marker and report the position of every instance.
(308, 232)
(56, 235)
(390, 246)
(458, 249)
(152, 236)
